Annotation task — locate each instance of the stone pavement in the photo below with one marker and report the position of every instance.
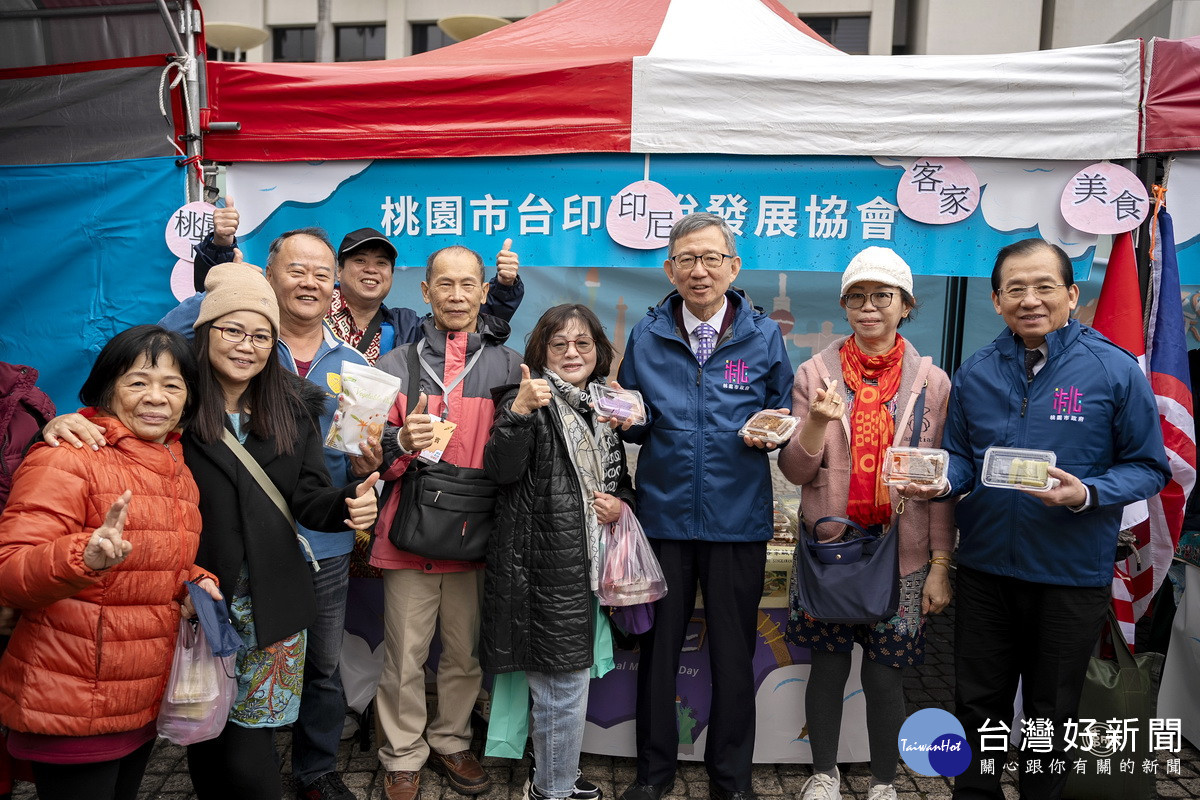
(927, 686)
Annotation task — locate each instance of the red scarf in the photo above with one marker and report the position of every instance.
(872, 428)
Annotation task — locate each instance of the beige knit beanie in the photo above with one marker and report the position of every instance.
(237, 287)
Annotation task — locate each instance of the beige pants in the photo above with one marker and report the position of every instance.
(415, 603)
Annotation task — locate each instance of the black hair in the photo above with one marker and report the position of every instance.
(273, 399)
(1024, 248)
(553, 321)
(122, 353)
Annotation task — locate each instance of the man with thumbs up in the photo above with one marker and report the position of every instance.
(366, 264)
(460, 358)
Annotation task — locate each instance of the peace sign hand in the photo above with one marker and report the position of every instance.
(106, 547)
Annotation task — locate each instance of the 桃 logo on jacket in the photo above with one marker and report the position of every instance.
(736, 376)
(1067, 405)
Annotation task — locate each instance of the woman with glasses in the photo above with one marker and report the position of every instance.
(562, 476)
(859, 397)
(255, 434)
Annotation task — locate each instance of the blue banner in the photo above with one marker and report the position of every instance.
(789, 213)
(86, 259)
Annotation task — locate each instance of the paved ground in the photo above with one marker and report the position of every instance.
(931, 685)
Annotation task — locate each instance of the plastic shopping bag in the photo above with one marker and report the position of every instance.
(630, 574)
(200, 689)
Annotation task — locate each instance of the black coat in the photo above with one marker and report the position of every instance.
(241, 523)
(537, 607)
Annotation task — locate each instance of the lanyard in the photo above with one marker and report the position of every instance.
(446, 390)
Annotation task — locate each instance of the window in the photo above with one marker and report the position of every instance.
(848, 34)
(428, 36)
(359, 43)
(295, 44)
(214, 54)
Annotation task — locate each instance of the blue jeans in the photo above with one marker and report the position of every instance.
(559, 712)
(318, 731)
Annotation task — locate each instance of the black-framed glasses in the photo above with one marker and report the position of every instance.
(582, 345)
(262, 341)
(1041, 290)
(857, 300)
(707, 260)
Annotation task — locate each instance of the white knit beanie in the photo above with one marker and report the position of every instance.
(879, 264)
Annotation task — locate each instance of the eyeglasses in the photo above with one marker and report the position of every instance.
(1041, 290)
(236, 335)
(857, 300)
(708, 260)
(581, 346)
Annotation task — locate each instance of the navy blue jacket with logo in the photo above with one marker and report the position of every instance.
(1093, 407)
(696, 478)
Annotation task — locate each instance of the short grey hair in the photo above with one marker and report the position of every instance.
(316, 233)
(454, 248)
(699, 220)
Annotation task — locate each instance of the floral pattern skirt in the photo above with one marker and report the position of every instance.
(270, 679)
(896, 642)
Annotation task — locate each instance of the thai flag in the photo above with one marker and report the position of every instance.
(1158, 521)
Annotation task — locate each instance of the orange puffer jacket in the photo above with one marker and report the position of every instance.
(91, 652)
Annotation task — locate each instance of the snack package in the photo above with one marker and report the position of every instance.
(921, 465)
(1016, 468)
(367, 394)
(618, 404)
(770, 426)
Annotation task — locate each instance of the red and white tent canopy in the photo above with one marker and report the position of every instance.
(678, 76)
(1172, 115)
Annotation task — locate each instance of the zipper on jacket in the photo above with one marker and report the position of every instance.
(179, 529)
(99, 637)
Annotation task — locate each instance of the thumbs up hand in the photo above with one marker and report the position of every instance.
(363, 506)
(417, 432)
(225, 224)
(532, 394)
(507, 264)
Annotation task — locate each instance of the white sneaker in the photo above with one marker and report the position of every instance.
(882, 791)
(823, 787)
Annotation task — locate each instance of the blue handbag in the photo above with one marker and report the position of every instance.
(850, 581)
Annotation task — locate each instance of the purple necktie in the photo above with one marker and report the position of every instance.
(707, 336)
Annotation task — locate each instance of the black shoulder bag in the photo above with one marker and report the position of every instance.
(850, 581)
(445, 511)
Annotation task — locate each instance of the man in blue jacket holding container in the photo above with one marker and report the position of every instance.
(1035, 565)
(705, 361)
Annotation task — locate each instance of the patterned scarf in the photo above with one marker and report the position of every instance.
(341, 320)
(874, 381)
(596, 456)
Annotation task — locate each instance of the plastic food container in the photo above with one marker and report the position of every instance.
(1015, 468)
(770, 426)
(921, 465)
(623, 405)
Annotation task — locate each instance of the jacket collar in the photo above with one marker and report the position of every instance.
(1056, 341)
(664, 314)
(488, 330)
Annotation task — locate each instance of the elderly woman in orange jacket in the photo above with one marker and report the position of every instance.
(95, 549)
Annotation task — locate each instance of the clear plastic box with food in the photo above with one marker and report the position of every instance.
(623, 405)
(1018, 468)
(925, 466)
(773, 427)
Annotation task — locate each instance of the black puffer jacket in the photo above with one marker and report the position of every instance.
(537, 609)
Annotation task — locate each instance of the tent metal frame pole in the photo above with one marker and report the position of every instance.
(955, 321)
(183, 37)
